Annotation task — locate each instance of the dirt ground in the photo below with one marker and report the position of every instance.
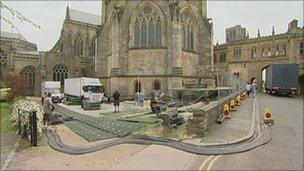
(45, 158)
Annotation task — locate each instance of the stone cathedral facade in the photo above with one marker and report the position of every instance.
(142, 45)
(151, 45)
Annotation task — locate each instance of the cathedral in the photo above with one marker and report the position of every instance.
(152, 45)
(143, 45)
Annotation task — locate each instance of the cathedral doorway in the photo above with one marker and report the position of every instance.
(137, 86)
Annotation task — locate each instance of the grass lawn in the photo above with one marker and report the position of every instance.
(6, 124)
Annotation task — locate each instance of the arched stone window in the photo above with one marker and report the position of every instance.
(137, 86)
(3, 59)
(29, 73)
(92, 48)
(147, 23)
(60, 73)
(156, 85)
(188, 30)
(78, 46)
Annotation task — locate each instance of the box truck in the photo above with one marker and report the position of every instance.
(51, 87)
(79, 89)
(282, 79)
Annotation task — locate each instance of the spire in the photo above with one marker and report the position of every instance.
(67, 12)
(273, 32)
(259, 35)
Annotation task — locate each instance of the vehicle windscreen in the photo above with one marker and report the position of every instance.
(93, 89)
(53, 91)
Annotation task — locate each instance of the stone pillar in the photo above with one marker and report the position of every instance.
(176, 45)
(114, 72)
(103, 12)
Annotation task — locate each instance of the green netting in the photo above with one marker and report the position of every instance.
(88, 132)
(117, 128)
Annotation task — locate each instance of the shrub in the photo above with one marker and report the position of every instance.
(5, 93)
(18, 85)
(27, 105)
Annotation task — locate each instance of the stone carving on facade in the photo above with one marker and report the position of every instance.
(174, 10)
(117, 12)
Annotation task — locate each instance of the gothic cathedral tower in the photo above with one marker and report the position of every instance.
(151, 45)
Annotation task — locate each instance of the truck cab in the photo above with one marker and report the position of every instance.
(92, 92)
(52, 87)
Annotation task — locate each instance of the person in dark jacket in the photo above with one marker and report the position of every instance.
(154, 104)
(116, 97)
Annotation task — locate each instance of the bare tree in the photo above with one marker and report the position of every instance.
(203, 73)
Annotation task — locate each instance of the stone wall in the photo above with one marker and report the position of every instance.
(204, 117)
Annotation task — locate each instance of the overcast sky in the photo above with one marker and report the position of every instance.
(249, 14)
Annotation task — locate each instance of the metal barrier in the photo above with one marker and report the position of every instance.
(30, 129)
(229, 85)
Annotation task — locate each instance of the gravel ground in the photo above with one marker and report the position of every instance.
(8, 141)
(45, 158)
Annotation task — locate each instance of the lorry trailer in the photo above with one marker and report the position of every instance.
(282, 79)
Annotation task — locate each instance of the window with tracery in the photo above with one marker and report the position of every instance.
(148, 26)
(266, 51)
(3, 59)
(222, 57)
(78, 46)
(29, 73)
(253, 52)
(281, 49)
(60, 73)
(92, 48)
(156, 85)
(187, 23)
(302, 47)
(214, 58)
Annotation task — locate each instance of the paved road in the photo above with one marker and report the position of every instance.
(284, 152)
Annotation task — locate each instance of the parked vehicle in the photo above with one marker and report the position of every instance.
(51, 87)
(83, 89)
(282, 79)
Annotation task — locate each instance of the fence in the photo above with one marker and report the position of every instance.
(226, 84)
(229, 84)
(27, 125)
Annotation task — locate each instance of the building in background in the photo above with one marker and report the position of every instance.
(248, 57)
(19, 56)
(147, 46)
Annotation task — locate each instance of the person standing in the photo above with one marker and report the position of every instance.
(154, 104)
(116, 97)
(48, 108)
(136, 99)
(43, 97)
(254, 87)
(248, 89)
(141, 99)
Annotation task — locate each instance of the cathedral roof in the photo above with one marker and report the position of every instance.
(12, 35)
(83, 17)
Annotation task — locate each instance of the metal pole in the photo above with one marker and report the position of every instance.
(19, 122)
(34, 129)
